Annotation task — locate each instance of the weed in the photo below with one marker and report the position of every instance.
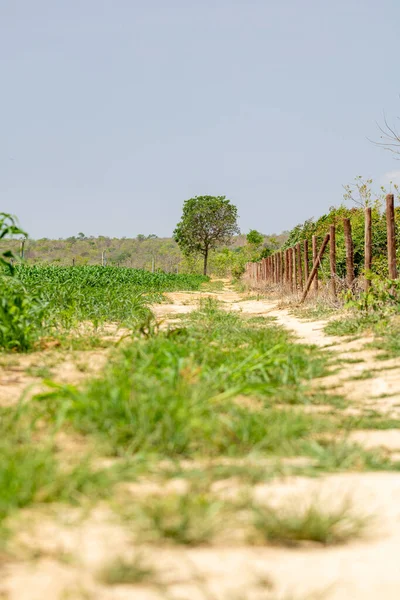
(291, 525)
(246, 472)
(350, 325)
(370, 422)
(319, 310)
(343, 456)
(363, 375)
(215, 285)
(388, 339)
(39, 371)
(124, 571)
(189, 519)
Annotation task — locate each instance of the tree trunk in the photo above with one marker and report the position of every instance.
(205, 261)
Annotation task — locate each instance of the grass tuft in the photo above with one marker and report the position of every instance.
(122, 571)
(291, 525)
(189, 519)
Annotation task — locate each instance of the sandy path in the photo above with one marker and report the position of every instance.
(366, 569)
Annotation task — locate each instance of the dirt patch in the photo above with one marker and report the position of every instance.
(24, 376)
(388, 439)
(70, 552)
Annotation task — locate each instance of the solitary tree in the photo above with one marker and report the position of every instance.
(207, 222)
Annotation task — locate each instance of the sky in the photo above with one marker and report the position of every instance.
(113, 112)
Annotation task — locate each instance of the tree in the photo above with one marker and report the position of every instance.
(254, 237)
(390, 137)
(207, 222)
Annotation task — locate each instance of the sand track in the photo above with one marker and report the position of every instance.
(366, 569)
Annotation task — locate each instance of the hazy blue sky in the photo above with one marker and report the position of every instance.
(113, 112)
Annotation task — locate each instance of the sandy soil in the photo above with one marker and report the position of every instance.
(70, 551)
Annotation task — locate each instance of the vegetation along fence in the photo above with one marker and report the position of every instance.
(296, 268)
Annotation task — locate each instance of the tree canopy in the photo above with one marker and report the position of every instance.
(254, 237)
(207, 222)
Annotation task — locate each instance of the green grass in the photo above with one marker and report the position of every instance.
(122, 571)
(173, 394)
(313, 312)
(200, 517)
(363, 375)
(214, 285)
(340, 455)
(388, 340)
(290, 525)
(374, 421)
(386, 331)
(31, 472)
(247, 473)
(190, 519)
(353, 324)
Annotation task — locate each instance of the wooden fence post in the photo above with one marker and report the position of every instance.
(278, 267)
(391, 236)
(306, 259)
(282, 265)
(332, 259)
(348, 240)
(315, 267)
(314, 258)
(299, 267)
(287, 271)
(294, 268)
(273, 268)
(290, 269)
(367, 247)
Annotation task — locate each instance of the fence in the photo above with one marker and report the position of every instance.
(290, 268)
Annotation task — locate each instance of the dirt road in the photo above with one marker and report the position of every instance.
(366, 569)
